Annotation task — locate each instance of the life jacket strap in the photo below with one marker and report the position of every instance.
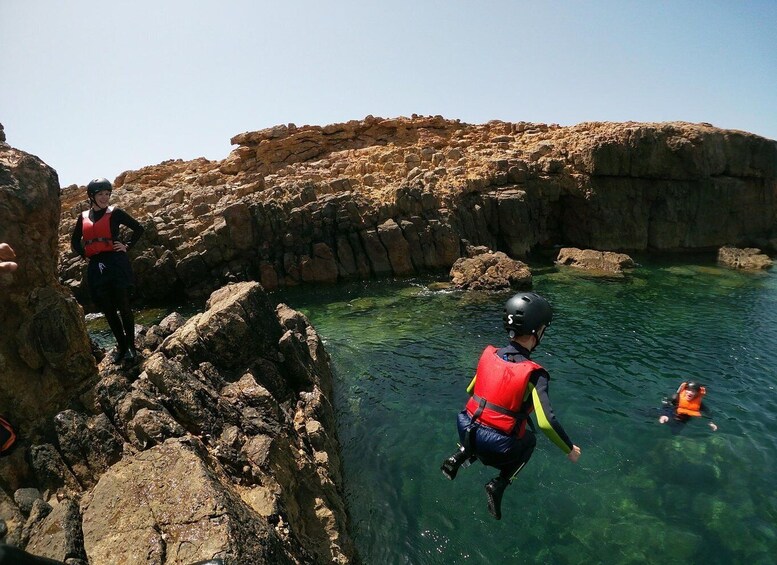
(483, 404)
(98, 240)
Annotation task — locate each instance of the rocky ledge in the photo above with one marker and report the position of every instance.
(383, 197)
(221, 443)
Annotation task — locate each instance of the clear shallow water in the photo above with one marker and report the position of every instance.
(403, 355)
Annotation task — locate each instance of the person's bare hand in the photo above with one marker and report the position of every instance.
(7, 258)
(574, 455)
(663, 419)
(119, 246)
(713, 426)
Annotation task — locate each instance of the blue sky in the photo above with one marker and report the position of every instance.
(97, 88)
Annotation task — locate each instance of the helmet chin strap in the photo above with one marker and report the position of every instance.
(538, 335)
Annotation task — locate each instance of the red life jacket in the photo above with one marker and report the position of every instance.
(97, 235)
(7, 435)
(500, 388)
(689, 407)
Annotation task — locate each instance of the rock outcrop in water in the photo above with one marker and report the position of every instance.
(490, 271)
(750, 259)
(399, 196)
(221, 442)
(605, 262)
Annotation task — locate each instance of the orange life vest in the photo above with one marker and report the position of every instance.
(500, 388)
(97, 235)
(689, 407)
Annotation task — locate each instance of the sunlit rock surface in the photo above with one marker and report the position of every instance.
(383, 197)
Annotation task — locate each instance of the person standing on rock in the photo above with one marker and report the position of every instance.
(109, 273)
(507, 387)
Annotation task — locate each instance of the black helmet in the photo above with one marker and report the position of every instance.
(96, 185)
(526, 312)
(692, 386)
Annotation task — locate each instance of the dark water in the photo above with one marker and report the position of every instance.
(404, 354)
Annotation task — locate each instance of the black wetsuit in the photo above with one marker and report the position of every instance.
(10, 555)
(509, 453)
(110, 275)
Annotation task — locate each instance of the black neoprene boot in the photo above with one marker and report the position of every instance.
(451, 465)
(118, 355)
(495, 488)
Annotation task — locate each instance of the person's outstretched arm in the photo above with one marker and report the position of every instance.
(546, 419)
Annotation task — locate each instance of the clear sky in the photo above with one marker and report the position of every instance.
(95, 88)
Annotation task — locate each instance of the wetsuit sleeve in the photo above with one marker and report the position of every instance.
(471, 387)
(544, 411)
(121, 218)
(75, 238)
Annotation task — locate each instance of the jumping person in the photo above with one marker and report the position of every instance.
(685, 404)
(507, 387)
(109, 273)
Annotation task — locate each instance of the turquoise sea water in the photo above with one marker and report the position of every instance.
(404, 354)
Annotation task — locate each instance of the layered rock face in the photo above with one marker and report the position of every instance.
(221, 443)
(399, 196)
(45, 355)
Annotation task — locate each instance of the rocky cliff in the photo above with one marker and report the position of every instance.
(220, 443)
(45, 356)
(398, 196)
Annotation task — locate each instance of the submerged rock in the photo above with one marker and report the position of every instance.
(490, 271)
(606, 262)
(750, 258)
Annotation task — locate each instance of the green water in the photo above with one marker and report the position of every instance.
(404, 354)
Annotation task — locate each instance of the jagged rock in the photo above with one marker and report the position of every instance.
(12, 519)
(25, 499)
(235, 314)
(249, 408)
(88, 444)
(58, 535)
(490, 271)
(50, 470)
(172, 503)
(381, 197)
(44, 339)
(747, 259)
(269, 483)
(39, 511)
(594, 261)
